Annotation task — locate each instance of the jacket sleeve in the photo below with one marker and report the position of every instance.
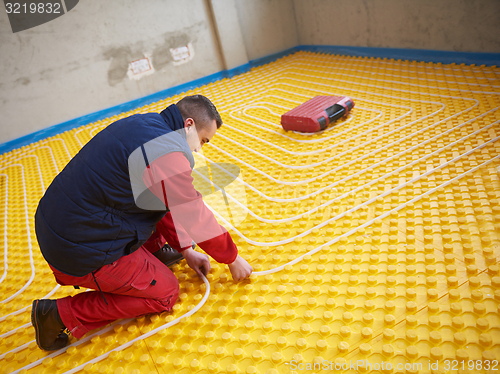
(155, 241)
(169, 178)
(173, 235)
(166, 232)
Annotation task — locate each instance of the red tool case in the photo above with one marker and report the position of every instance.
(315, 114)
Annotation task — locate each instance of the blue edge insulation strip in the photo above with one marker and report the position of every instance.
(446, 57)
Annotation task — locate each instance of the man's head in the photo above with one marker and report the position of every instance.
(201, 120)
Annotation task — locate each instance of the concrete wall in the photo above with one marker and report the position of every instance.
(450, 25)
(268, 26)
(227, 26)
(77, 64)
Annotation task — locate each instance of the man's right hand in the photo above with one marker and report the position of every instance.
(197, 261)
(240, 268)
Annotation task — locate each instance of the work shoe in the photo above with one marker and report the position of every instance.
(49, 329)
(168, 255)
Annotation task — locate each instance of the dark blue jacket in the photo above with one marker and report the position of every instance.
(98, 209)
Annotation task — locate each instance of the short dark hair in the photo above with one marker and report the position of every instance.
(200, 109)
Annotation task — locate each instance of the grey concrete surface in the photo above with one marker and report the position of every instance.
(448, 25)
(268, 26)
(228, 29)
(77, 64)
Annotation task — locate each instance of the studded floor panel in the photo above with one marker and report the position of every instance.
(375, 243)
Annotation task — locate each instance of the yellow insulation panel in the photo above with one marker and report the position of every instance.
(375, 243)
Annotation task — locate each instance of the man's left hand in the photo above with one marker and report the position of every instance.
(197, 261)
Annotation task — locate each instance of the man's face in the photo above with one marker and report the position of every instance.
(197, 137)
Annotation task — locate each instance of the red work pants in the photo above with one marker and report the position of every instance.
(134, 285)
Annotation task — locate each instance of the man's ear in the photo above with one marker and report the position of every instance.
(188, 122)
